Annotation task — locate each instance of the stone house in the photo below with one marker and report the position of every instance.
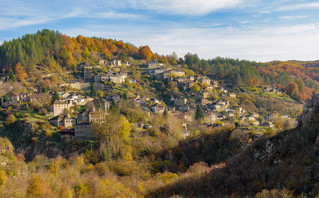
(67, 134)
(100, 78)
(62, 120)
(163, 76)
(14, 99)
(152, 64)
(155, 71)
(84, 131)
(180, 79)
(116, 63)
(157, 108)
(204, 80)
(180, 101)
(221, 105)
(118, 78)
(183, 108)
(96, 116)
(59, 106)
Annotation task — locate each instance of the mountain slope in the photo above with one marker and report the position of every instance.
(288, 160)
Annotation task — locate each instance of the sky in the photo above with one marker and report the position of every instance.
(256, 30)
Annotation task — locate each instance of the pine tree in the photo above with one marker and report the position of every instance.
(113, 107)
(5, 98)
(165, 112)
(199, 113)
(93, 91)
(55, 96)
(12, 77)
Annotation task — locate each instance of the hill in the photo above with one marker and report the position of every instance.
(288, 161)
(96, 117)
(53, 51)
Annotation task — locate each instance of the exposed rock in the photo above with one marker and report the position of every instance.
(310, 112)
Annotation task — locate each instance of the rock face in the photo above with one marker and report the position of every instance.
(310, 113)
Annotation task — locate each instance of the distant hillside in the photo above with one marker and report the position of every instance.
(289, 160)
(53, 51)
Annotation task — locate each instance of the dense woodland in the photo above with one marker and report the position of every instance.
(157, 161)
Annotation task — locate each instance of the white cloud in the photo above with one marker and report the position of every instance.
(265, 12)
(292, 17)
(188, 7)
(113, 15)
(9, 23)
(302, 6)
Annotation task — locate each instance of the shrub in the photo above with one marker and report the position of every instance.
(11, 119)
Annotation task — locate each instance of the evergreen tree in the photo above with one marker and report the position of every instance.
(5, 98)
(238, 79)
(12, 77)
(165, 112)
(113, 107)
(93, 91)
(199, 113)
(55, 96)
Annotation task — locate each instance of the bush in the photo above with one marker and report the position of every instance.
(11, 119)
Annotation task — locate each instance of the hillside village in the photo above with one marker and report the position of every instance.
(95, 117)
(91, 90)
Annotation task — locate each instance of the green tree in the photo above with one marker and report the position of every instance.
(94, 92)
(165, 112)
(55, 96)
(12, 77)
(113, 107)
(199, 113)
(5, 98)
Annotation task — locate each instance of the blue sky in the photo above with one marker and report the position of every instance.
(246, 29)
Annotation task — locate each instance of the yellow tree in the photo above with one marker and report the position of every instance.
(124, 128)
(20, 72)
(38, 187)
